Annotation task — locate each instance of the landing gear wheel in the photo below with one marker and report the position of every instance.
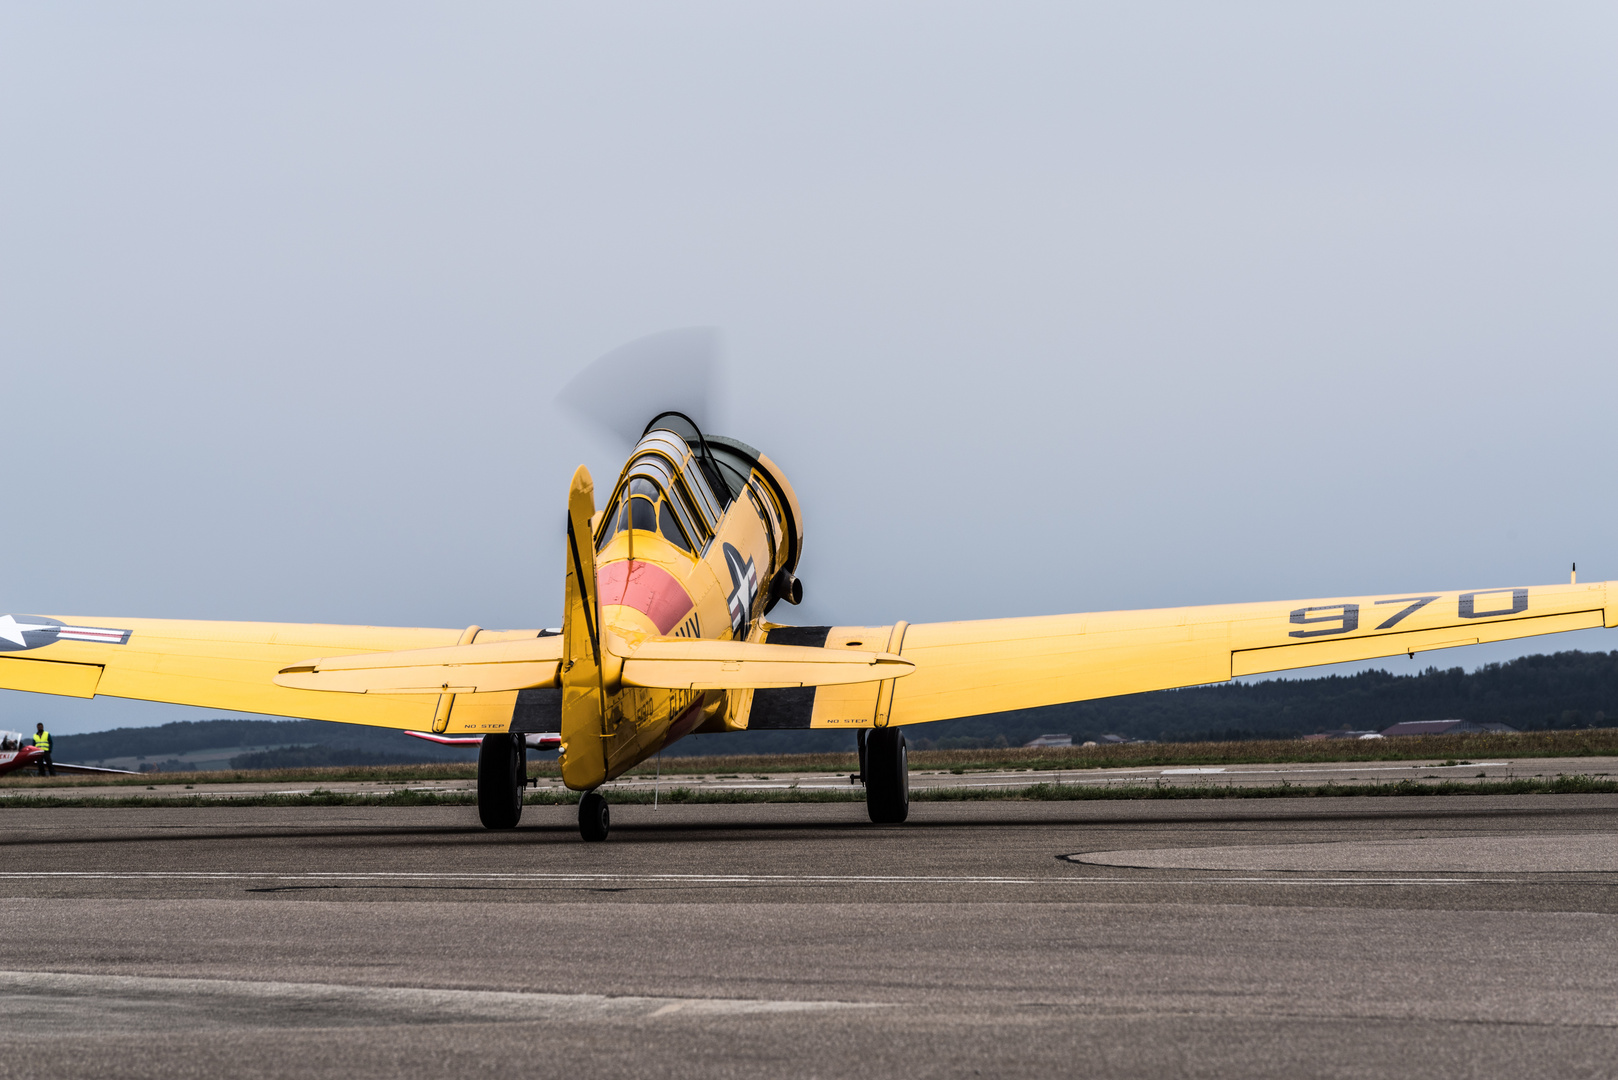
(502, 775)
(887, 776)
(593, 816)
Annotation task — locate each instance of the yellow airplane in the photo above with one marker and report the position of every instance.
(666, 631)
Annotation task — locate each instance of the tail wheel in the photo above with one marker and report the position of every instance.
(887, 776)
(594, 818)
(502, 775)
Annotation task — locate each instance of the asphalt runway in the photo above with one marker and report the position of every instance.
(1308, 774)
(1465, 936)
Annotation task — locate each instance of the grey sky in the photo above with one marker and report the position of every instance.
(1043, 307)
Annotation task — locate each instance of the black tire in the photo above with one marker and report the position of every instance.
(502, 775)
(887, 776)
(594, 818)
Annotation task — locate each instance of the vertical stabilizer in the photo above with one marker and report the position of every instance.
(584, 751)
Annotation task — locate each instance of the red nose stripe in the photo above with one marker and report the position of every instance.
(650, 590)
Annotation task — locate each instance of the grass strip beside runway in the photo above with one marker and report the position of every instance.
(1590, 742)
(1045, 792)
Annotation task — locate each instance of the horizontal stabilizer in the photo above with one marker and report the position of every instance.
(695, 664)
(454, 669)
(661, 663)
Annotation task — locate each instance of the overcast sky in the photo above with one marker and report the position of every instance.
(1042, 307)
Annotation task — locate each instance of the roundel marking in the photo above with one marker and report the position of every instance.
(19, 633)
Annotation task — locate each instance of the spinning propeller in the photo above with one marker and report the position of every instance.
(676, 370)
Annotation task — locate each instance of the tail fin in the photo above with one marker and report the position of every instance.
(584, 751)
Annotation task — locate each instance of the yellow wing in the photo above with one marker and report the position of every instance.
(232, 665)
(997, 665)
(959, 669)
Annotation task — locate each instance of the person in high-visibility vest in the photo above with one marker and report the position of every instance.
(42, 740)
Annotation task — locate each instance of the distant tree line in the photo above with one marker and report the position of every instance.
(1562, 690)
(296, 743)
(319, 755)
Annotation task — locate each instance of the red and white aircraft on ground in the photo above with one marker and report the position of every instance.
(17, 751)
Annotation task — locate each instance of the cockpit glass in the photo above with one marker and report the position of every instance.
(643, 514)
(10, 740)
(617, 520)
(666, 491)
(670, 527)
(689, 521)
(692, 469)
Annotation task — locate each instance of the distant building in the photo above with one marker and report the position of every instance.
(1449, 727)
(1049, 740)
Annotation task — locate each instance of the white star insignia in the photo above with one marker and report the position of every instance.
(13, 631)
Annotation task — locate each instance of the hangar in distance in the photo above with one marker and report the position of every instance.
(672, 592)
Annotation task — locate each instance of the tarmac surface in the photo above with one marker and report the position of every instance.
(1310, 773)
(1464, 936)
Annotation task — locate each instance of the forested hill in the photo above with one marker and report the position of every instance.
(250, 743)
(1564, 690)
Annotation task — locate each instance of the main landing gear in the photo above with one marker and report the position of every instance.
(594, 817)
(885, 768)
(502, 775)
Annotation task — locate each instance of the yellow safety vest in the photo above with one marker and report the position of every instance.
(43, 740)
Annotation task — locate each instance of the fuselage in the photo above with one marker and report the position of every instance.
(699, 539)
